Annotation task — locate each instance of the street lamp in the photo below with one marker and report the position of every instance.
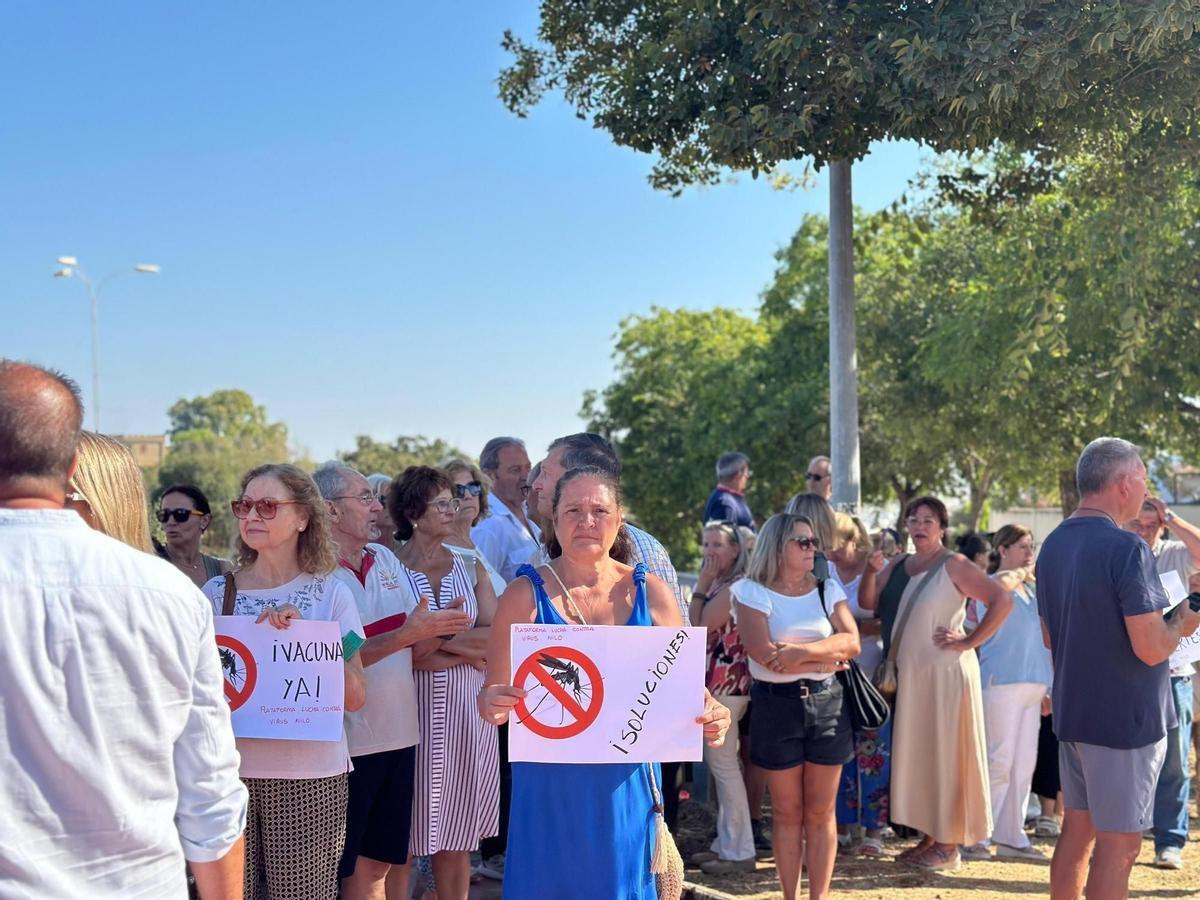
(70, 269)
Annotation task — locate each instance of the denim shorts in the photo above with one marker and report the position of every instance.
(799, 722)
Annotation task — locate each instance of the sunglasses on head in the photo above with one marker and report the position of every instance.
(806, 543)
(471, 488)
(813, 476)
(266, 507)
(179, 514)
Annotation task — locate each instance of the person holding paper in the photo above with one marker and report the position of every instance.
(582, 830)
(1171, 796)
(799, 730)
(296, 826)
(1102, 606)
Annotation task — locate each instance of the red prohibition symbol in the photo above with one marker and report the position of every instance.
(582, 716)
(238, 668)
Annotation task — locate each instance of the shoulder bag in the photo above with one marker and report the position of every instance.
(886, 676)
(869, 711)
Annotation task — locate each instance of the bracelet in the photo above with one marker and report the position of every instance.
(1168, 516)
(703, 597)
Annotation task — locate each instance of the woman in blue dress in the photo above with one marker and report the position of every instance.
(581, 831)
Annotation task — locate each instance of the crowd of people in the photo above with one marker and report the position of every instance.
(1007, 672)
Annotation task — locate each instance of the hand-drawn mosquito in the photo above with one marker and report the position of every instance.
(229, 663)
(567, 675)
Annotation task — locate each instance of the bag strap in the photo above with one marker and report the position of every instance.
(902, 618)
(230, 595)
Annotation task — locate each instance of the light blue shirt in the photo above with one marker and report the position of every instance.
(1016, 654)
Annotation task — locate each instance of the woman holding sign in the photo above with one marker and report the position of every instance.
(582, 830)
(296, 823)
(800, 731)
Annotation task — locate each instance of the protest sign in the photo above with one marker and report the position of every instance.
(605, 694)
(1188, 650)
(286, 684)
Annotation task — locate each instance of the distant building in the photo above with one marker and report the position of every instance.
(148, 449)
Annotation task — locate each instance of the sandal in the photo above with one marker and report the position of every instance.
(916, 850)
(1046, 826)
(871, 846)
(935, 859)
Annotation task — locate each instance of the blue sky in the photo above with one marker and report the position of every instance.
(350, 225)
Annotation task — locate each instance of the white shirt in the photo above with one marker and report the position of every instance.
(792, 620)
(472, 554)
(321, 598)
(871, 653)
(388, 720)
(505, 540)
(1174, 556)
(117, 758)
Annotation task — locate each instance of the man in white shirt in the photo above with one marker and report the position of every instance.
(506, 537)
(383, 735)
(117, 759)
(1171, 796)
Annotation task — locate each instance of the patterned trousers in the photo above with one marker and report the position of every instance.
(295, 832)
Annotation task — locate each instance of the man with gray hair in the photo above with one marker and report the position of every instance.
(1101, 604)
(819, 477)
(727, 502)
(507, 537)
(384, 733)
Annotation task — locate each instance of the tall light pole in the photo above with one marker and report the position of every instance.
(70, 269)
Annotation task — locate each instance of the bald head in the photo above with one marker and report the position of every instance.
(40, 420)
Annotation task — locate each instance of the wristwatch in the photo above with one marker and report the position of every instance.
(1168, 516)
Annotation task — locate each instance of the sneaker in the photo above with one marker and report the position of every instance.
(977, 852)
(1003, 851)
(1169, 858)
(729, 866)
(1046, 827)
(699, 859)
(492, 867)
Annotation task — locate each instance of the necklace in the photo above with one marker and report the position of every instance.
(567, 598)
(1095, 510)
(181, 564)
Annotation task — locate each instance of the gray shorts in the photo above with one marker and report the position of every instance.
(1116, 787)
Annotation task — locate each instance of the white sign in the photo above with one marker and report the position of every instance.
(286, 684)
(606, 694)
(1188, 650)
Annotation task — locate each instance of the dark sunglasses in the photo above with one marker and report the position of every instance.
(471, 488)
(266, 507)
(179, 514)
(813, 476)
(807, 543)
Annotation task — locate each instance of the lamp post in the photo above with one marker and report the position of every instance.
(70, 269)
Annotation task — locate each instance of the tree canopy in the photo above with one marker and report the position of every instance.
(370, 455)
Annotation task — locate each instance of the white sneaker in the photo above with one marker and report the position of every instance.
(1003, 851)
(1169, 858)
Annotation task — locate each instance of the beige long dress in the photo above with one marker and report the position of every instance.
(939, 752)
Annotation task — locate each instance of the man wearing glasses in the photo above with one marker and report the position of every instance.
(383, 734)
(819, 478)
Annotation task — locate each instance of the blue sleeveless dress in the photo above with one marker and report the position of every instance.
(580, 831)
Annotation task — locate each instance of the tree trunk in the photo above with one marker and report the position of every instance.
(843, 356)
(906, 492)
(1068, 491)
(980, 488)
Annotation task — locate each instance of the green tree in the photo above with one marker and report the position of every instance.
(713, 85)
(370, 455)
(215, 440)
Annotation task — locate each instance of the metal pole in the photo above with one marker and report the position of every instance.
(95, 305)
(843, 355)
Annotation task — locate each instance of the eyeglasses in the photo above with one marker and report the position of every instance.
(266, 507)
(914, 522)
(806, 543)
(366, 499)
(179, 514)
(1026, 545)
(445, 506)
(813, 476)
(472, 488)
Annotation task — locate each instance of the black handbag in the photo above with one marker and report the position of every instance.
(868, 710)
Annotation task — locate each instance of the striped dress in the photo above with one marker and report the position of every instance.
(456, 800)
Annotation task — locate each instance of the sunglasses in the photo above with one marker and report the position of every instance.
(806, 543)
(179, 514)
(813, 476)
(266, 507)
(471, 489)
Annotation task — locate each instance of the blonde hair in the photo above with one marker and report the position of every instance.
(453, 466)
(314, 546)
(851, 528)
(767, 558)
(820, 517)
(733, 534)
(111, 482)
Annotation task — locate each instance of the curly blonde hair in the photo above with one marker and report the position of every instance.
(314, 546)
